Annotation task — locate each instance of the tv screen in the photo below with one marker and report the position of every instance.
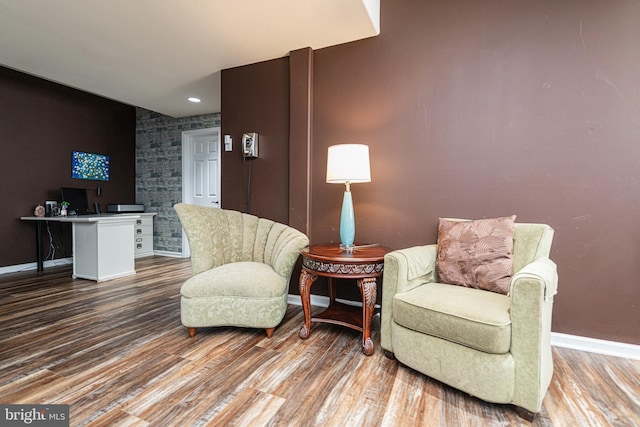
(77, 198)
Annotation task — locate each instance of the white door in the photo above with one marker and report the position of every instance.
(200, 171)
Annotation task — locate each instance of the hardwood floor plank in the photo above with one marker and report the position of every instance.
(413, 397)
(117, 353)
(249, 408)
(616, 380)
(116, 417)
(29, 388)
(356, 398)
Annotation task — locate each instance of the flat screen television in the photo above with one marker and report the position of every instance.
(77, 198)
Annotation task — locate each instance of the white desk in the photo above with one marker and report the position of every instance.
(102, 244)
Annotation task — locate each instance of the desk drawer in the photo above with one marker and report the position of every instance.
(144, 230)
(143, 236)
(143, 246)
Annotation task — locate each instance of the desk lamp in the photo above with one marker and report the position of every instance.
(348, 164)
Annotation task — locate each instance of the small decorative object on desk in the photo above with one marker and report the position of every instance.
(63, 211)
(39, 211)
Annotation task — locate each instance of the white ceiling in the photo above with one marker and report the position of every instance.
(156, 53)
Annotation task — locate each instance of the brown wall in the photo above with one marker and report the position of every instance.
(41, 123)
(480, 109)
(256, 99)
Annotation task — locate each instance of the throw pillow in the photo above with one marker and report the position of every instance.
(476, 254)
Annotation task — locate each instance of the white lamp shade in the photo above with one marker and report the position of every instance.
(348, 163)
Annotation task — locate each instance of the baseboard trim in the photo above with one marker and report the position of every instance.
(17, 268)
(317, 300)
(322, 301)
(574, 342)
(168, 254)
(593, 345)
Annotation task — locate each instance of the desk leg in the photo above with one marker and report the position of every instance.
(368, 291)
(306, 280)
(39, 245)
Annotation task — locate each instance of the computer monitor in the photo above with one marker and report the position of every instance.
(77, 198)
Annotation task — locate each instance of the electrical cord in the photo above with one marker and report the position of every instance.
(247, 180)
(52, 247)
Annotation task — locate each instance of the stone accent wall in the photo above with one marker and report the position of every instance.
(159, 170)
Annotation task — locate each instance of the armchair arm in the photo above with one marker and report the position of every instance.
(287, 249)
(194, 222)
(404, 270)
(532, 291)
(543, 270)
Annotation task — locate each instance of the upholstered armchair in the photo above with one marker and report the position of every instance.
(241, 268)
(493, 346)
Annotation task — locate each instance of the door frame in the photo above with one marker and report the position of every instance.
(187, 171)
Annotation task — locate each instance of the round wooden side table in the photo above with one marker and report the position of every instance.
(365, 263)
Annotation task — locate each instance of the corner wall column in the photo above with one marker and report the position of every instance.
(300, 138)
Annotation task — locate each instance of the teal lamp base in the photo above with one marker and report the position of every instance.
(347, 222)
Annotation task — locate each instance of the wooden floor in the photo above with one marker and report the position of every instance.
(116, 352)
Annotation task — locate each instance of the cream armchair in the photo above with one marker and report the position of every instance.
(241, 268)
(495, 347)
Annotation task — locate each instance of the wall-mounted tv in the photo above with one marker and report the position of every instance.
(90, 166)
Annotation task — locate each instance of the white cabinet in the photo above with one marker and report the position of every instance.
(143, 235)
(101, 248)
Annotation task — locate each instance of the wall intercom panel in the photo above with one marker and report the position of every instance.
(250, 145)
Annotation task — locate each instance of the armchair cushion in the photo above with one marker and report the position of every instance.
(244, 279)
(467, 316)
(476, 254)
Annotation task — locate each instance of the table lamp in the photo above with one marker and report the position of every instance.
(348, 164)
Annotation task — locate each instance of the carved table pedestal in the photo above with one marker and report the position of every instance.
(364, 263)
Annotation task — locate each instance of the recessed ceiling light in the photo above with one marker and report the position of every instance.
(194, 99)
